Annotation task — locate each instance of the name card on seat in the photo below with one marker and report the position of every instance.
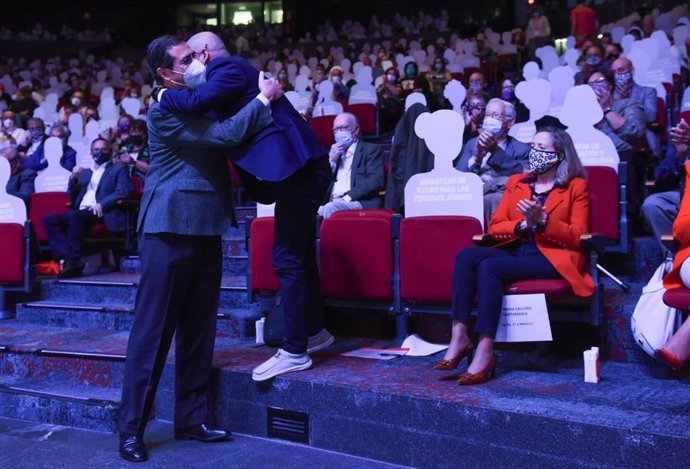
(524, 318)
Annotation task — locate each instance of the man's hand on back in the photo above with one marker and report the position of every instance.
(270, 88)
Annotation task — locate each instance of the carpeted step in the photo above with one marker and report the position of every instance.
(232, 265)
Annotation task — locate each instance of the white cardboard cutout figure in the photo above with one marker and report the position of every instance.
(617, 34)
(12, 208)
(455, 93)
(535, 94)
(363, 91)
(444, 190)
(562, 79)
(413, 98)
(580, 113)
(549, 59)
(76, 128)
(131, 106)
(644, 75)
(108, 110)
(570, 58)
(54, 178)
(325, 105)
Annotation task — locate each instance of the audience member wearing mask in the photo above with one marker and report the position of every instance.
(36, 136)
(473, 113)
(24, 104)
(357, 170)
(594, 59)
(476, 82)
(538, 31)
(21, 181)
(508, 94)
(494, 155)
(11, 134)
(439, 77)
(340, 91)
(412, 82)
(390, 100)
(285, 84)
(135, 152)
(612, 52)
(482, 51)
(624, 124)
(120, 133)
(37, 161)
(93, 193)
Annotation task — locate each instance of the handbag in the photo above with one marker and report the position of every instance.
(274, 327)
(652, 322)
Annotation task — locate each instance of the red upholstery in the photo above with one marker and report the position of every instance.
(685, 115)
(323, 128)
(137, 188)
(458, 76)
(262, 234)
(12, 253)
(552, 288)
(603, 194)
(357, 255)
(43, 204)
(234, 176)
(366, 113)
(98, 231)
(428, 246)
(669, 89)
(678, 298)
(488, 69)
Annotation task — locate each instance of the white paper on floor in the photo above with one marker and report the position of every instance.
(419, 347)
(376, 353)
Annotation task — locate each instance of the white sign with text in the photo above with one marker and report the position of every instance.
(524, 318)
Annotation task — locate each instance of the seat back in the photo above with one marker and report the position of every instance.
(43, 204)
(428, 246)
(12, 253)
(368, 118)
(356, 255)
(261, 238)
(323, 128)
(604, 201)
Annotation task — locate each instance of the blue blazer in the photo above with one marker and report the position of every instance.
(274, 153)
(68, 160)
(115, 184)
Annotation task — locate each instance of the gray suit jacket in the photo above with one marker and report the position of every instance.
(502, 163)
(188, 189)
(645, 96)
(366, 180)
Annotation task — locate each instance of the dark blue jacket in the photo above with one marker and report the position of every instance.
(115, 184)
(272, 154)
(68, 159)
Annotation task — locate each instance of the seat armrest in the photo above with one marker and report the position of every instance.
(670, 243)
(593, 242)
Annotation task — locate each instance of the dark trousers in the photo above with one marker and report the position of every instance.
(484, 272)
(178, 293)
(66, 232)
(294, 252)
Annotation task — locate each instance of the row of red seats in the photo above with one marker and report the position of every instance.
(374, 259)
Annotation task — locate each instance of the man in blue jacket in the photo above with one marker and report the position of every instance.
(285, 164)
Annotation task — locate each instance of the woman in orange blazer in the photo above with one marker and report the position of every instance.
(539, 219)
(676, 352)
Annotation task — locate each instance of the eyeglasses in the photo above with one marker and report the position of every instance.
(476, 107)
(495, 115)
(346, 128)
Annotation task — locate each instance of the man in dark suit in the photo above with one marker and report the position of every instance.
(94, 193)
(494, 155)
(285, 164)
(357, 170)
(21, 181)
(68, 160)
(187, 205)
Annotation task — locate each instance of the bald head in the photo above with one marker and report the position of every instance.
(210, 42)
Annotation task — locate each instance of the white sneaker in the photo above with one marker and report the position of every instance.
(281, 362)
(319, 341)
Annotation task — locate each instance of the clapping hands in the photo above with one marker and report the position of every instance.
(532, 210)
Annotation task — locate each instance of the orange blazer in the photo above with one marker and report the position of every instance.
(568, 217)
(681, 233)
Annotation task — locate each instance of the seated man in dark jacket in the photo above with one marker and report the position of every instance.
(357, 170)
(37, 160)
(94, 193)
(21, 182)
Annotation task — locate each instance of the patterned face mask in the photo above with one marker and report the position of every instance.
(541, 161)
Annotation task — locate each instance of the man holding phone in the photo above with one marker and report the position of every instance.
(493, 154)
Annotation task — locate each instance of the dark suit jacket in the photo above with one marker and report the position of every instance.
(503, 163)
(188, 189)
(272, 154)
(366, 177)
(567, 209)
(21, 184)
(68, 160)
(114, 184)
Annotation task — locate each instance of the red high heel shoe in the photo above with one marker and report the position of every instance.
(669, 358)
(452, 363)
(481, 376)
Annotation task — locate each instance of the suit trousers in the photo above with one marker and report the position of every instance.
(66, 232)
(483, 272)
(294, 251)
(178, 294)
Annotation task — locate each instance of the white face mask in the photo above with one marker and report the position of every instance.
(195, 75)
(7, 123)
(76, 102)
(492, 125)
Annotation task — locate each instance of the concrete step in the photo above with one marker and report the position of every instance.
(119, 317)
(120, 288)
(232, 265)
(54, 402)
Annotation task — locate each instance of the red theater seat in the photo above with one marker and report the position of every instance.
(553, 289)
(323, 128)
(43, 204)
(261, 233)
(678, 298)
(16, 268)
(604, 200)
(428, 246)
(368, 118)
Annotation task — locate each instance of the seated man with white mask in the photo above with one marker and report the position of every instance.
(357, 170)
(494, 155)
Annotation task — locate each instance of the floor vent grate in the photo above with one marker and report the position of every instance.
(288, 425)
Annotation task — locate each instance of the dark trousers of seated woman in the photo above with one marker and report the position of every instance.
(483, 272)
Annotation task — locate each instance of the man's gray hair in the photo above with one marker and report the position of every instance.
(509, 109)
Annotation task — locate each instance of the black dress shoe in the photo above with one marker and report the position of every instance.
(202, 432)
(132, 448)
(72, 269)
